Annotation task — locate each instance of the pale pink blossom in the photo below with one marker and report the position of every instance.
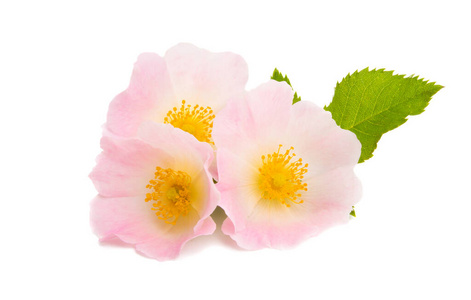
(285, 171)
(155, 190)
(185, 88)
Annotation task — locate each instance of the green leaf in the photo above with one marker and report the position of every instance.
(371, 103)
(296, 98)
(279, 77)
(352, 213)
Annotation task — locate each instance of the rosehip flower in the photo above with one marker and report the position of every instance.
(186, 88)
(285, 171)
(155, 191)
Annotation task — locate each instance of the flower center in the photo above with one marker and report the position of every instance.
(195, 120)
(170, 191)
(281, 179)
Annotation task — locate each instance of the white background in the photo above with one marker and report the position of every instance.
(62, 62)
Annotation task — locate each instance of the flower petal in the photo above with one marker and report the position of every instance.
(319, 140)
(177, 142)
(256, 118)
(132, 220)
(201, 77)
(339, 187)
(125, 166)
(327, 203)
(149, 88)
(237, 185)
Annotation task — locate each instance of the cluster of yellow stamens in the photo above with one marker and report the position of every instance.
(282, 179)
(196, 120)
(170, 191)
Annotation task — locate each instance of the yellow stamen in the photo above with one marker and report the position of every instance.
(170, 191)
(281, 179)
(196, 120)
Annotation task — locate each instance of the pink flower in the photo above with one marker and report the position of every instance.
(285, 171)
(186, 88)
(155, 191)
